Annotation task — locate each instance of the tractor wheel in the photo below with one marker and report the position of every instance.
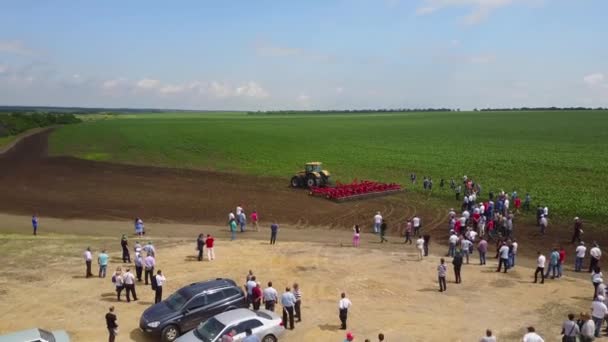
(325, 181)
(312, 181)
(295, 182)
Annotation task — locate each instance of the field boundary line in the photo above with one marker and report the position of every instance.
(23, 135)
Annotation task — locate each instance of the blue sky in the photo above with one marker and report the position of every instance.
(315, 54)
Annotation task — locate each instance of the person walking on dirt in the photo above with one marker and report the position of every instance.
(88, 257)
(118, 281)
(532, 336)
(231, 216)
(139, 265)
(137, 247)
(111, 324)
(383, 228)
(408, 232)
(482, 248)
(442, 270)
(457, 262)
(288, 301)
(209, 244)
(570, 329)
(270, 297)
(139, 227)
(561, 261)
(232, 225)
(543, 224)
(254, 220)
(553, 264)
(452, 241)
(200, 244)
(149, 264)
(298, 305)
(427, 243)
(596, 255)
(35, 223)
(149, 248)
(356, 236)
(124, 243)
(465, 248)
(417, 224)
(256, 294)
(581, 250)
(504, 257)
(578, 230)
(598, 314)
(420, 247)
(343, 305)
(540, 268)
(129, 280)
(377, 223)
(489, 337)
(102, 260)
(242, 220)
(160, 281)
(274, 229)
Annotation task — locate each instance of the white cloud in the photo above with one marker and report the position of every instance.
(171, 89)
(303, 98)
(479, 9)
(596, 80)
(148, 83)
(266, 49)
(115, 83)
(16, 47)
(251, 89)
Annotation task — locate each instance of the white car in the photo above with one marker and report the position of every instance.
(264, 324)
(36, 335)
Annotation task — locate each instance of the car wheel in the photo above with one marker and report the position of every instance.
(269, 338)
(170, 333)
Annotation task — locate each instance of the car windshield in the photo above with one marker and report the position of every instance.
(209, 330)
(177, 300)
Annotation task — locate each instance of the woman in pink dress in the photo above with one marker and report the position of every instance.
(356, 235)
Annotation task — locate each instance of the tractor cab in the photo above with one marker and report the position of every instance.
(313, 167)
(312, 175)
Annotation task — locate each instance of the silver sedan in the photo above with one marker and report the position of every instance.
(266, 325)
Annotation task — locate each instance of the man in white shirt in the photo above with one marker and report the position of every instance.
(546, 211)
(251, 283)
(513, 253)
(239, 210)
(160, 281)
(543, 224)
(343, 306)
(416, 224)
(581, 250)
(540, 268)
(377, 223)
(453, 240)
(129, 280)
(88, 257)
(420, 246)
(489, 337)
(288, 301)
(504, 257)
(482, 208)
(598, 313)
(596, 254)
(465, 245)
(270, 297)
(149, 264)
(532, 336)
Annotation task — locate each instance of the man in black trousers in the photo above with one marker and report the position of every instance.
(200, 243)
(343, 306)
(111, 324)
(129, 281)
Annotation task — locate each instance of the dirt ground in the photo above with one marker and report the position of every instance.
(42, 284)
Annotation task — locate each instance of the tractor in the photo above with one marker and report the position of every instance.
(312, 175)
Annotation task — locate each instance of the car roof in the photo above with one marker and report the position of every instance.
(21, 336)
(236, 315)
(203, 286)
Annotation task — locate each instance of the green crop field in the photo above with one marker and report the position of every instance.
(560, 157)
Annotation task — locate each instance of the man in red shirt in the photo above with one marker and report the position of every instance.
(209, 245)
(517, 204)
(562, 260)
(257, 296)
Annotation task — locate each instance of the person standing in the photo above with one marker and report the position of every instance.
(581, 250)
(578, 230)
(465, 247)
(129, 280)
(442, 270)
(420, 247)
(139, 227)
(200, 243)
(149, 248)
(543, 224)
(381, 335)
(504, 257)
(417, 224)
(596, 255)
(532, 336)
(513, 253)
(232, 225)
(160, 281)
(209, 244)
(118, 281)
(288, 300)
(540, 268)
(377, 223)
(249, 286)
(88, 257)
(356, 236)
(482, 248)
(489, 337)
(242, 220)
(343, 305)
(274, 229)
(453, 240)
(383, 228)
(588, 328)
(553, 264)
(102, 260)
(570, 329)
(561, 261)
(124, 243)
(270, 297)
(149, 264)
(111, 324)
(598, 313)
(457, 262)
(35, 223)
(427, 243)
(254, 220)
(596, 280)
(256, 293)
(408, 232)
(139, 265)
(298, 304)
(527, 202)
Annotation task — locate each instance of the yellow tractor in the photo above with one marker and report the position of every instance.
(312, 175)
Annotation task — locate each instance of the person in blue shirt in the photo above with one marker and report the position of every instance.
(250, 337)
(274, 228)
(102, 260)
(553, 264)
(35, 223)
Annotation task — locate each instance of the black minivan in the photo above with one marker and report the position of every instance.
(190, 305)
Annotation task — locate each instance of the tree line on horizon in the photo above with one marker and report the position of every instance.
(15, 123)
(419, 110)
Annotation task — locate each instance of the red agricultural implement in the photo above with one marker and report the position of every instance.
(355, 190)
